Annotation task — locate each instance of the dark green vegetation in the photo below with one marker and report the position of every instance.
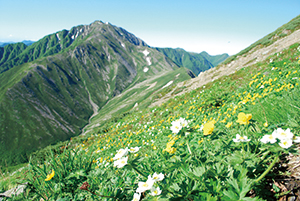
(49, 90)
(193, 61)
(269, 39)
(46, 46)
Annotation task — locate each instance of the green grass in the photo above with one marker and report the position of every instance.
(199, 167)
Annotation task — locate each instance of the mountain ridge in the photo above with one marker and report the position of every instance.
(49, 99)
(196, 62)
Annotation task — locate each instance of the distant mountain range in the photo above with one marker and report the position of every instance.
(26, 42)
(193, 61)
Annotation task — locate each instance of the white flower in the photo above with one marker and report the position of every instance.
(296, 139)
(286, 143)
(121, 162)
(183, 122)
(268, 138)
(136, 197)
(283, 134)
(155, 191)
(121, 153)
(143, 186)
(134, 149)
(176, 126)
(157, 177)
(241, 139)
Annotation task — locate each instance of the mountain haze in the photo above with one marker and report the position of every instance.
(49, 90)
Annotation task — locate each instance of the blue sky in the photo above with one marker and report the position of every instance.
(215, 26)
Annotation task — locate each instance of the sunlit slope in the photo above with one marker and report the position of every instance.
(137, 97)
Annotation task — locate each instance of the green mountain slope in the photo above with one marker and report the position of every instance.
(52, 98)
(11, 51)
(49, 45)
(216, 59)
(193, 61)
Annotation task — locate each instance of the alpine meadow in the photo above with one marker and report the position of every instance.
(94, 113)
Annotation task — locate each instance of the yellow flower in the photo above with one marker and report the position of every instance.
(228, 125)
(224, 120)
(49, 176)
(266, 124)
(244, 118)
(200, 141)
(208, 127)
(170, 150)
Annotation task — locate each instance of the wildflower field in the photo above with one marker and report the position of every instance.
(223, 141)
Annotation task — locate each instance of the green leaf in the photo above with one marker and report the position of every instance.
(199, 171)
(230, 195)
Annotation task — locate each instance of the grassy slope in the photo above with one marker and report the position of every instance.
(195, 62)
(136, 94)
(215, 60)
(11, 51)
(216, 157)
(49, 45)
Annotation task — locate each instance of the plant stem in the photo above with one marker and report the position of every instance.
(188, 146)
(139, 172)
(267, 170)
(101, 195)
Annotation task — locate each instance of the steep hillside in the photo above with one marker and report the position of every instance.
(216, 59)
(10, 51)
(193, 61)
(49, 45)
(52, 98)
(274, 43)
